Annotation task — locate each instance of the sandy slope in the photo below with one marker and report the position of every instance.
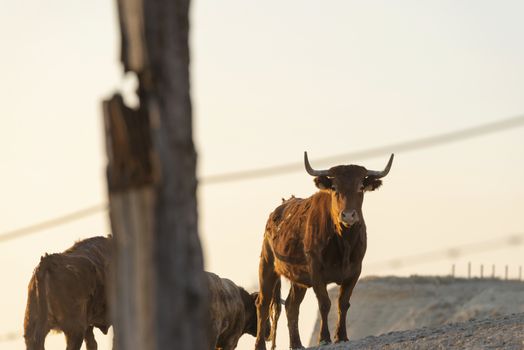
(382, 305)
(506, 332)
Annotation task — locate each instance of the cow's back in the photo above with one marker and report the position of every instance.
(96, 249)
(285, 229)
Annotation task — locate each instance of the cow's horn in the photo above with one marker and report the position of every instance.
(379, 174)
(312, 171)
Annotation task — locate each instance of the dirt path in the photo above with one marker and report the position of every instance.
(506, 332)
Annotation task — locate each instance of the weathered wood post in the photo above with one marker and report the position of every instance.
(158, 295)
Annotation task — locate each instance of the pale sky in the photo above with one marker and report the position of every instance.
(270, 80)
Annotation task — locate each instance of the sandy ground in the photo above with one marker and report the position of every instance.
(384, 305)
(506, 332)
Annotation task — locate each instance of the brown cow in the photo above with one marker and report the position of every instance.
(233, 312)
(316, 241)
(67, 293)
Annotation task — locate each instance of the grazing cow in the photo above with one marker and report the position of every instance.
(233, 312)
(316, 241)
(67, 293)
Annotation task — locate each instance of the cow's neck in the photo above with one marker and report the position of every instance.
(347, 237)
(351, 234)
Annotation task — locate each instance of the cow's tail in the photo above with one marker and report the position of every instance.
(36, 313)
(276, 308)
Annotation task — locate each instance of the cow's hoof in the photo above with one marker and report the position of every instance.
(324, 342)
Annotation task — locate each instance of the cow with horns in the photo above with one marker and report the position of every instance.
(313, 242)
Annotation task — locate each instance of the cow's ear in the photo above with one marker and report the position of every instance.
(371, 184)
(254, 297)
(323, 182)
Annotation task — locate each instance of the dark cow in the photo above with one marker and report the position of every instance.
(316, 241)
(233, 312)
(67, 293)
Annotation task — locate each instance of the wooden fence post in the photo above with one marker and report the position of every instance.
(158, 294)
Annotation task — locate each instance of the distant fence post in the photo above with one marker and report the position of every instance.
(493, 271)
(520, 273)
(506, 273)
(469, 269)
(481, 271)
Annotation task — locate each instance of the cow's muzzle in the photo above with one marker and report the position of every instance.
(349, 217)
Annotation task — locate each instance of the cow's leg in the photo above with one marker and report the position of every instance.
(37, 341)
(324, 304)
(74, 339)
(231, 344)
(346, 289)
(213, 337)
(295, 297)
(89, 338)
(267, 279)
